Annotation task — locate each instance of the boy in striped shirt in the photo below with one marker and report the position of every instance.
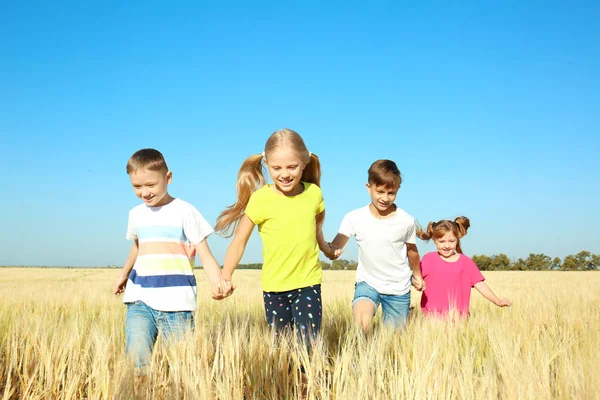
(158, 276)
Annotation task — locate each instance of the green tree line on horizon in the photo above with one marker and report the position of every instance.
(582, 261)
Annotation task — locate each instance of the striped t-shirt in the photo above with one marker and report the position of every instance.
(163, 274)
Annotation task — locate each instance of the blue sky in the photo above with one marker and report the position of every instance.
(489, 110)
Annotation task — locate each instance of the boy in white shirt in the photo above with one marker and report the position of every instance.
(385, 235)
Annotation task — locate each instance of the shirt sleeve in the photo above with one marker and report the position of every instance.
(254, 209)
(320, 203)
(195, 227)
(424, 263)
(474, 274)
(131, 232)
(347, 226)
(411, 236)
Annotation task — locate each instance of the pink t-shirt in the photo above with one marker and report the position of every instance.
(448, 284)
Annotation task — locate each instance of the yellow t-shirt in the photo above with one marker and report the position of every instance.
(287, 226)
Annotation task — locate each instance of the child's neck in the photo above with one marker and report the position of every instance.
(382, 215)
(296, 190)
(451, 259)
(164, 201)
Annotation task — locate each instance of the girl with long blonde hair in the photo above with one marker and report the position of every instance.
(289, 213)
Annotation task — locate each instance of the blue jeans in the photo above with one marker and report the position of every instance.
(395, 308)
(143, 324)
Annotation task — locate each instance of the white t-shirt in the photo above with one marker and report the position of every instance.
(382, 259)
(163, 274)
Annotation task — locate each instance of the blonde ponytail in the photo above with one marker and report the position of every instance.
(250, 178)
(312, 171)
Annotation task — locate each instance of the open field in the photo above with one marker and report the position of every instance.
(62, 336)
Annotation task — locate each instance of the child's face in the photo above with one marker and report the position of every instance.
(151, 186)
(286, 170)
(446, 245)
(382, 197)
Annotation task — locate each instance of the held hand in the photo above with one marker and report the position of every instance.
(334, 252)
(418, 283)
(119, 286)
(504, 303)
(228, 288)
(222, 289)
(337, 252)
(328, 251)
(217, 290)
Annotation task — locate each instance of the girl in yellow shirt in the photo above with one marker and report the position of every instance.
(289, 214)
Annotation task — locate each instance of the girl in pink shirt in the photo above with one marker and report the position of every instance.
(449, 275)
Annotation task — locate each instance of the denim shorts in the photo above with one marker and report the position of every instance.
(143, 324)
(394, 308)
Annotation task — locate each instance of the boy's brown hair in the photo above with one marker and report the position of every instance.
(150, 159)
(385, 173)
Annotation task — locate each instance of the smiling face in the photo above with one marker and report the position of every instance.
(285, 168)
(382, 197)
(446, 245)
(151, 186)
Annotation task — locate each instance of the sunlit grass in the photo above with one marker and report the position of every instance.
(62, 336)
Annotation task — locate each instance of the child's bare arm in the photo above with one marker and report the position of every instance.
(212, 269)
(121, 282)
(414, 259)
(339, 241)
(210, 265)
(489, 294)
(338, 244)
(323, 245)
(235, 251)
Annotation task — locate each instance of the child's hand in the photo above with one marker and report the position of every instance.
(504, 303)
(334, 252)
(119, 286)
(337, 252)
(221, 289)
(418, 283)
(228, 288)
(328, 251)
(217, 290)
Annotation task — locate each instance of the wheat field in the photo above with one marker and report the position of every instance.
(62, 337)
